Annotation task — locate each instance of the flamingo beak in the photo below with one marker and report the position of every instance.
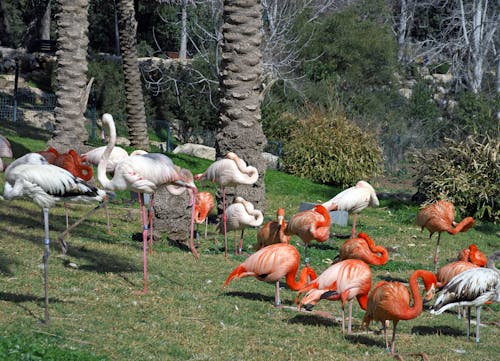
(430, 293)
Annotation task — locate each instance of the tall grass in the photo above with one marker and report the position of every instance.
(96, 315)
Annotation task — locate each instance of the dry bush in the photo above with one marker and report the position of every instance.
(327, 148)
(465, 172)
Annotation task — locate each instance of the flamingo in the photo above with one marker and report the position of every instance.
(5, 150)
(308, 225)
(50, 154)
(144, 174)
(473, 287)
(391, 301)
(272, 263)
(229, 172)
(72, 162)
(203, 205)
(46, 184)
(353, 200)
(364, 248)
(241, 214)
(94, 156)
(273, 232)
(344, 280)
(439, 217)
(474, 255)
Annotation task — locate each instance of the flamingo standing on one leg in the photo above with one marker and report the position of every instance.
(474, 255)
(272, 263)
(353, 200)
(240, 215)
(203, 205)
(273, 232)
(473, 287)
(46, 184)
(144, 174)
(308, 225)
(345, 280)
(5, 150)
(364, 248)
(439, 217)
(391, 301)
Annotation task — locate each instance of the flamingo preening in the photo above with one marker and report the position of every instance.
(473, 287)
(50, 154)
(241, 214)
(440, 217)
(474, 255)
(308, 225)
(364, 248)
(46, 184)
(353, 200)
(273, 231)
(94, 156)
(272, 263)
(203, 205)
(343, 281)
(144, 174)
(391, 301)
(230, 171)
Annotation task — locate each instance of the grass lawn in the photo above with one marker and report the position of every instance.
(96, 315)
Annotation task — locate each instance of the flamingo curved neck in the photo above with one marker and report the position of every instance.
(326, 216)
(101, 167)
(413, 311)
(297, 285)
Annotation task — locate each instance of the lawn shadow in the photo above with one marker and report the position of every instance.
(440, 330)
(313, 320)
(250, 296)
(102, 262)
(5, 264)
(365, 340)
(19, 299)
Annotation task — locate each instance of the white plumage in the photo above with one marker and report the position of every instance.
(473, 287)
(353, 200)
(94, 156)
(5, 150)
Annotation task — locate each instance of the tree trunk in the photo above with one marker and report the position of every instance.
(45, 23)
(183, 46)
(240, 84)
(136, 114)
(71, 77)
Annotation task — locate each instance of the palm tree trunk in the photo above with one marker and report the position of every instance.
(136, 114)
(240, 84)
(71, 77)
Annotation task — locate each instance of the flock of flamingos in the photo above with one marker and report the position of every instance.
(48, 177)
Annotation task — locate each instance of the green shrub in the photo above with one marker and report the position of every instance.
(326, 147)
(465, 172)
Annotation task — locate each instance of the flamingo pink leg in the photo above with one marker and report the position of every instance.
(151, 204)
(191, 236)
(144, 241)
(224, 218)
(353, 231)
(240, 249)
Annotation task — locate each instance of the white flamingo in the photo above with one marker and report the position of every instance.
(144, 174)
(240, 215)
(353, 200)
(229, 172)
(46, 184)
(473, 287)
(5, 150)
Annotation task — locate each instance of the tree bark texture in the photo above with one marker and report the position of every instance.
(71, 76)
(136, 114)
(240, 83)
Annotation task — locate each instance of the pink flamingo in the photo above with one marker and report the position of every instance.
(344, 280)
(272, 263)
(474, 255)
(203, 205)
(144, 174)
(228, 172)
(5, 150)
(364, 248)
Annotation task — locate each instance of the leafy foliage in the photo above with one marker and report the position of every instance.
(466, 172)
(327, 147)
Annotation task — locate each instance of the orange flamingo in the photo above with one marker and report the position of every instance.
(50, 154)
(311, 224)
(272, 263)
(273, 232)
(439, 217)
(450, 270)
(72, 162)
(353, 200)
(203, 205)
(391, 301)
(364, 248)
(474, 255)
(240, 215)
(345, 280)
(228, 172)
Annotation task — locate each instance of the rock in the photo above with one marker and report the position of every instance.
(197, 150)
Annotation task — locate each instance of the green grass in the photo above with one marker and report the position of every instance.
(95, 314)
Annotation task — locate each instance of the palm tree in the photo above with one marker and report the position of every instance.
(71, 76)
(240, 84)
(136, 114)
